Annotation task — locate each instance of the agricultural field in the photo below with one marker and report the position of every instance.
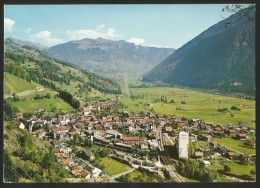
(190, 104)
(235, 168)
(113, 167)
(47, 104)
(236, 145)
(138, 176)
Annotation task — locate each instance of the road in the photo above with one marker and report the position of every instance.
(123, 173)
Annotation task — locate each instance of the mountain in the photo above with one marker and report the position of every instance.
(109, 57)
(25, 44)
(32, 69)
(222, 58)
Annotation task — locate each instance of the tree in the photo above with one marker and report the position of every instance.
(249, 142)
(104, 152)
(10, 171)
(246, 13)
(227, 168)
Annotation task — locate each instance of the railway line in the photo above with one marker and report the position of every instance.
(167, 161)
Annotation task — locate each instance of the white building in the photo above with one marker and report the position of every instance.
(183, 144)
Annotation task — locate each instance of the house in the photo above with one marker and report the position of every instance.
(168, 129)
(114, 133)
(208, 153)
(87, 110)
(88, 155)
(62, 130)
(20, 124)
(204, 148)
(241, 136)
(64, 119)
(85, 174)
(95, 172)
(205, 137)
(231, 155)
(213, 144)
(40, 133)
(205, 163)
(65, 150)
(221, 149)
(198, 155)
(19, 115)
(40, 122)
(132, 140)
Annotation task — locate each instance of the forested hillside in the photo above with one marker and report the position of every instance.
(222, 58)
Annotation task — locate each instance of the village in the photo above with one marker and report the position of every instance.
(135, 139)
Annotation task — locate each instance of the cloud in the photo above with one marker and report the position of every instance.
(28, 30)
(44, 37)
(100, 31)
(136, 40)
(43, 34)
(8, 24)
(100, 27)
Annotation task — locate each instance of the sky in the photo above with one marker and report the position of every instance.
(147, 25)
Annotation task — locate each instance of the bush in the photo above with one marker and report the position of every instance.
(235, 108)
(222, 110)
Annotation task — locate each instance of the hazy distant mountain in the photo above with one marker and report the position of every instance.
(109, 57)
(219, 58)
(26, 44)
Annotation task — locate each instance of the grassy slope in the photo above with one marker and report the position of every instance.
(15, 84)
(113, 167)
(235, 144)
(198, 105)
(30, 105)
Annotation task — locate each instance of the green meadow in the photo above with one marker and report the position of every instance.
(113, 167)
(191, 104)
(47, 104)
(15, 84)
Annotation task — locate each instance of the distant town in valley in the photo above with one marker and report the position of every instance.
(101, 110)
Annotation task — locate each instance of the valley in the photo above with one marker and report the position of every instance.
(101, 110)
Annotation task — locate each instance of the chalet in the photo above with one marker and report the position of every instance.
(40, 133)
(40, 122)
(85, 174)
(95, 172)
(231, 131)
(87, 110)
(213, 144)
(76, 172)
(97, 126)
(241, 136)
(65, 150)
(88, 155)
(205, 163)
(221, 149)
(204, 148)
(19, 115)
(208, 153)
(20, 124)
(168, 129)
(218, 133)
(230, 155)
(108, 126)
(198, 155)
(205, 137)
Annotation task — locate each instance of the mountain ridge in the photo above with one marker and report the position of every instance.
(215, 59)
(105, 56)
